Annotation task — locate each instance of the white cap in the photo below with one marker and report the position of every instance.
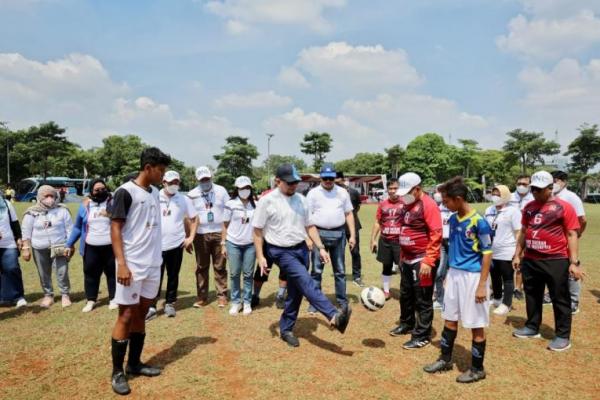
(203, 172)
(406, 182)
(242, 181)
(541, 179)
(170, 176)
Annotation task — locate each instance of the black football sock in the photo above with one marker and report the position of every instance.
(477, 355)
(447, 344)
(119, 348)
(136, 344)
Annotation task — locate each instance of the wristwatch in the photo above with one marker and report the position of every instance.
(576, 263)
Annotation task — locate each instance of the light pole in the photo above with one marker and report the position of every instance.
(269, 137)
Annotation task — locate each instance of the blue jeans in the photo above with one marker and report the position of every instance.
(335, 244)
(11, 279)
(441, 273)
(294, 262)
(241, 259)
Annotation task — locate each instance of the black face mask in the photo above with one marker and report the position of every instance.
(100, 196)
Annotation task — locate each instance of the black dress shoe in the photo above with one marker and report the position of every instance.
(401, 330)
(119, 384)
(438, 366)
(143, 369)
(255, 301)
(290, 339)
(342, 318)
(471, 376)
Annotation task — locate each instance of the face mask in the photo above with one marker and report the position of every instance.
(100, 196)
(172, 189)
(244, 193)
(497, 200)
(205, 186)
(522, 189)
(437, 197)
(48, 201)
(557, 187)
(408, 199)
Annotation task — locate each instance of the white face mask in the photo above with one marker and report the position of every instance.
(244, 193)
(48, 201)
(522, 189)
(172, 189)
(497, 200)
(437, 197)
(408, 199)
(557, 187)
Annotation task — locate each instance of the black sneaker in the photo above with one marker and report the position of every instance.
(518, 294)
(471, 376)
(438, 366)
(290, 339)
(119, 383)
(280, 302)
(341, 319)
(401, 330)
(358, 282)
(143, 370)
(255, 301)
(414, 344)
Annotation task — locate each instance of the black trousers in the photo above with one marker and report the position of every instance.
(172, 260)
(356, 260)
(502, 281)
(96, 260)
(259, 277)
(416, 301)
(555, 274)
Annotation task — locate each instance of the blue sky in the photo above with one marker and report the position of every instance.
(184, 74)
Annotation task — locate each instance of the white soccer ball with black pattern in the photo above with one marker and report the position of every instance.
(372, 298)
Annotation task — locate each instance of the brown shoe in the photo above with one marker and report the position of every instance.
(47, 301)
(200, 303)
(222, 302)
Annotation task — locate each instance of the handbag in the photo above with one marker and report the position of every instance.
(57, 250)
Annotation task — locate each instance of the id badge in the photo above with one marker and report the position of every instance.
(210, 217)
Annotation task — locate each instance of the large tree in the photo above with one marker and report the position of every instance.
(467, 156)
(364, 163)
(316, 144)
(431, 158)
(395, 156)
(585, 153)
(119, 156)
(528, 148)
(236, 160)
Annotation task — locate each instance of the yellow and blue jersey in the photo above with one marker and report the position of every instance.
(470, 238)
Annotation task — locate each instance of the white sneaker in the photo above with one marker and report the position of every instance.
(235, 309)
(89, 306)
(247, 309)
(21, 303)
(496, 303)
(113, 305)
(437, 305)
(502, 309)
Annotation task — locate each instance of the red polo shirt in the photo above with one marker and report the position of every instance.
(388, 216)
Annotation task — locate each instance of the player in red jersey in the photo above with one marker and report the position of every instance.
(549, 241)
(387, 228)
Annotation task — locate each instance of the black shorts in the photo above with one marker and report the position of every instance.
(258, 277)
(388, 252)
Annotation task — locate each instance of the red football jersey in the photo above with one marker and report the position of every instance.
(420, 234)
(388, 216)
(546, 227)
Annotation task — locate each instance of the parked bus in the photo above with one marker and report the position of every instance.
(26, 190)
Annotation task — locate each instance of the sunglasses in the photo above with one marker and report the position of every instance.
(328, 179)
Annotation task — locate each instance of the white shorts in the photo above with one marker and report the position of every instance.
(459, 299)
(145, 283)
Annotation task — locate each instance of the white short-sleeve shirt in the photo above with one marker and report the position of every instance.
(7, 239)
(504, 223)
(98, 224)
(328, 208)
(573, 200)
(520, 202)
(445, 213)
(173, 210)
(239, 230)
(282, 218)
(209, 203)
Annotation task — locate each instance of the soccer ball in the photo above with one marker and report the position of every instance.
(372, 298)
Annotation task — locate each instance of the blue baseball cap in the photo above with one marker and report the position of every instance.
(328, 171)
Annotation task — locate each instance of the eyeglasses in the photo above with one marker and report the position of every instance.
(328, 179)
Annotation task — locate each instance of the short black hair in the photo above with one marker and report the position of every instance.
(562, 175)
(154, 156)
(454, 188)
(339, 174)
(391, 181)
(524, 176)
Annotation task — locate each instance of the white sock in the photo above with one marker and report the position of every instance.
(386, 282)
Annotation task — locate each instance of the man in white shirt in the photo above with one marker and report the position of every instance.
(330, 209)
(519, 199)
(560, 190)
(175, 211)
(282, 221)
(209, 201)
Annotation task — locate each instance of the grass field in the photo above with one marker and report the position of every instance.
(207, 354)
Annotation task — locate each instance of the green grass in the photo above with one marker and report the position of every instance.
(206, 354)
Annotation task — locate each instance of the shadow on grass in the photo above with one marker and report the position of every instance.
(596, 294)
(373, 343)
(519, 322)
(188, 301)
(34, 308)
(460, 355)
(181, 348)
(305, 328)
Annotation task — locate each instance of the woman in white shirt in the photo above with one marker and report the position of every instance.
(239, 245)
(11, 278)
(46, 227)
(505, 220)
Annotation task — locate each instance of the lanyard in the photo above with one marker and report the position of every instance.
(208, 199)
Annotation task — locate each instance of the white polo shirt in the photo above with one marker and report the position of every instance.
(239, 230)
(7, 239)
(520, 202)
(173, 210)
(205, 203)
(328, 208)
(282, 218)
(47, 229)
(98, 224)
(504, 223)
(573, 200)
(445, 213)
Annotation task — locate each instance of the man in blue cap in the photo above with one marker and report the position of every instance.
(330, 209)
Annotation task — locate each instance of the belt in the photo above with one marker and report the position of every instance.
(293, 247)
(339, 228)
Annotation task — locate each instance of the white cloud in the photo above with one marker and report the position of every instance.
(290, 76)
(551, 38)
(268, 99)
(341, 64)
(240, 14)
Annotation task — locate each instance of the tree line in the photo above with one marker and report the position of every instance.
(45, 150)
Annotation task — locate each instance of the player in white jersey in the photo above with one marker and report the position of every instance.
(136, 239)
